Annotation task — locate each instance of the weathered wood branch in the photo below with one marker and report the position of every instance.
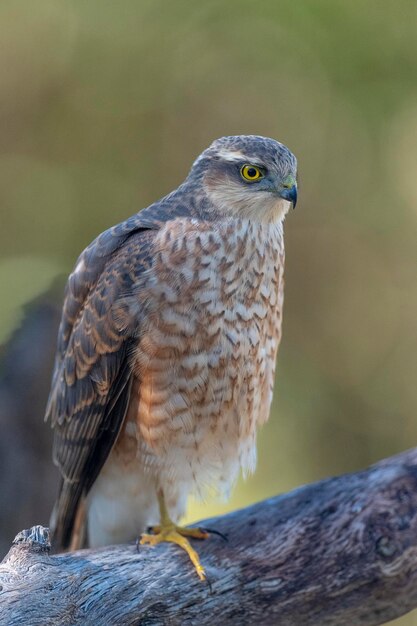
(342, 551)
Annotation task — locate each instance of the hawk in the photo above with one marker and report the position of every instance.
(166, 350)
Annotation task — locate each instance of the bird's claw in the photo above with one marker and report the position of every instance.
(178, 535)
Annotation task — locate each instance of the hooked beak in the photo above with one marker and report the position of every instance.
(289, 193)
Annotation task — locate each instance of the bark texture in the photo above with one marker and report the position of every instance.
(342, 551)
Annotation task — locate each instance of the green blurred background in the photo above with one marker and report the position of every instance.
(103, 108)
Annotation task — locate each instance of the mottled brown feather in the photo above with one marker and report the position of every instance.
(92, 375)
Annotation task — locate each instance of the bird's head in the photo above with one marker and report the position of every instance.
(248, 176)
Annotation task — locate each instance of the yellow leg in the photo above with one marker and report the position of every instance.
(168, 531)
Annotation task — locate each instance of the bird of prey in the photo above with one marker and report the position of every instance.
(167, 347)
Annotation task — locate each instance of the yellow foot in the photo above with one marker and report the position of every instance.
(178, 535)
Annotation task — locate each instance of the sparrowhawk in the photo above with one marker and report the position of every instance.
(167, 347)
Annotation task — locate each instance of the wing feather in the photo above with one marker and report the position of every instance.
(92, 376)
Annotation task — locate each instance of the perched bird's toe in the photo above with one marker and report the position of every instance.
(177, 535)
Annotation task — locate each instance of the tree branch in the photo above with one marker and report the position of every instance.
(338, 552)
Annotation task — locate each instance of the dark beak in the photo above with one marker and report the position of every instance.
(290, 194)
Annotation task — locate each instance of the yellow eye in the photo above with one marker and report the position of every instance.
(251, 173)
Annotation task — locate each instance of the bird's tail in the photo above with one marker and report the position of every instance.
(67, 523)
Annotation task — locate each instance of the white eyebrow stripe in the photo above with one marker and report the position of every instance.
(236, 155)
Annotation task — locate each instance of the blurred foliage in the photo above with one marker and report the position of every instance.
(103, 108)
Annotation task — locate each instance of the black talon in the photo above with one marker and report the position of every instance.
(209, 584)
(215, 532)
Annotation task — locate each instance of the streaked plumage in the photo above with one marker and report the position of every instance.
(167, 345)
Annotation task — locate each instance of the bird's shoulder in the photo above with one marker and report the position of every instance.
(93, 324)
(132, 239)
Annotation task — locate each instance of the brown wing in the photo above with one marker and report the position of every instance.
(92, 376)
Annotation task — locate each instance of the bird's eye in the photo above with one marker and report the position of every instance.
(251, 173)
